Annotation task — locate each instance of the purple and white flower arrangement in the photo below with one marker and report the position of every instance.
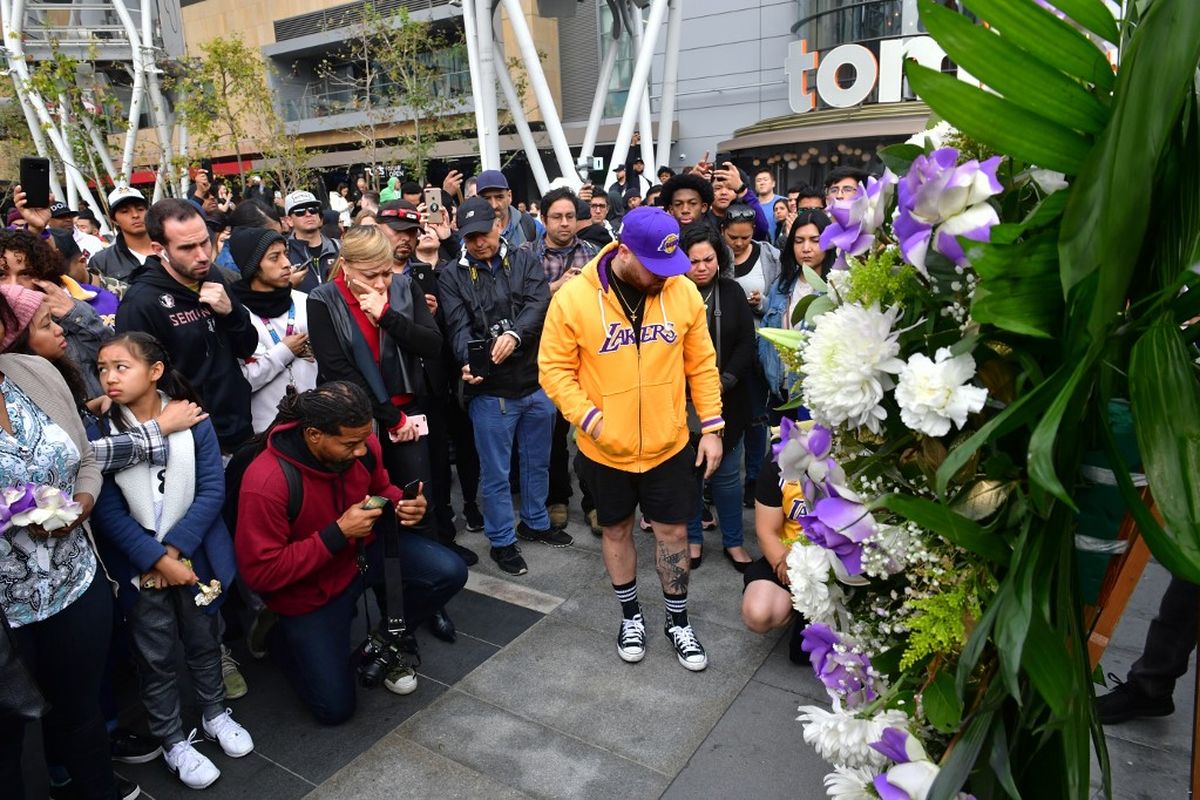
(28, 504)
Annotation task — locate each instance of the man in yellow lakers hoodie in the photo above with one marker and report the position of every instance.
(623, 345)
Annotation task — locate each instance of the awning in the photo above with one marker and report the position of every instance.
(887, 119)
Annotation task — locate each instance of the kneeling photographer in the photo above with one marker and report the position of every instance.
(494, 300)
(319, 522)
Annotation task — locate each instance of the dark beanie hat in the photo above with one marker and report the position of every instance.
(249, 245)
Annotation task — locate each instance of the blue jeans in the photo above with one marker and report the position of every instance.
(755, 437)
(726, 485)
(498, 422)
(314, 648)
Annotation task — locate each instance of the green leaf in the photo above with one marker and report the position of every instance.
(1092, 15)
(1000, 123)
(1047, 38)
(982, 498)
(1048, 210)
(943, 708)
(1042, 472)
(822, 304)
(801, 308)
(1018, 284)
(999, 761)
(1007, 69)
(787, 339)
(1156, 76)
(952, 526)
(1048, 665)
(1165, 399)
(814, 280)
(899, 157)
(958, 763)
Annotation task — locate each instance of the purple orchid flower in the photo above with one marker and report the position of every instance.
(15, 500)
(900, 746)
(939, 200)
(803, 454)
(855, 221)
(842, 671)
(841, 525)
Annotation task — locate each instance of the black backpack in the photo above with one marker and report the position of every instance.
(295, 483)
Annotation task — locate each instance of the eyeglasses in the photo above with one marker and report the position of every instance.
(842, 191)
(305, 211)
(740, 215)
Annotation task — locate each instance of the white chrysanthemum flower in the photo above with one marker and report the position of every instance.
(848, 362)
(937, 136)
(844, 739)
(813, 594)
(845, 783)
(932, 394)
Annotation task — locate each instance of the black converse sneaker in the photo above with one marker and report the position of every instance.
(688, 649)
(631, 640)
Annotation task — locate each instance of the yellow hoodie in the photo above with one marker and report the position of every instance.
(593, 370)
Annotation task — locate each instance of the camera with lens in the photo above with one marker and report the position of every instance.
(500, 328)
(383, 652)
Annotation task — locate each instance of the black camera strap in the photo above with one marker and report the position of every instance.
(392, 601)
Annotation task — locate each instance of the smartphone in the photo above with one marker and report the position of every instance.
(433, 206)
(479, 357)
(421, 423)
(411, 490)
(425, 277)
(373, 502)
(35, 181)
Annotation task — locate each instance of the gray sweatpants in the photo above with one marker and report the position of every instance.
(159, 619)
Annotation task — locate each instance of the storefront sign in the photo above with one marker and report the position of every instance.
(884, 72)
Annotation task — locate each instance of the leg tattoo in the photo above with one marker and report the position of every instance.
(673, 567)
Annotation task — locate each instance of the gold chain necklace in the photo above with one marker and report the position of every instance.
(631, 310)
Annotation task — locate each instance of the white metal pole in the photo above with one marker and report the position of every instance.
(11, 31)
(644, 119)
(471, 32)
(154, 94)
(666, 111)
(598, 100)
(99, 146)
(487, 80)
(183, 154)
(139, 87)
(518, 113)
(537, 79)
(64, 130)
(637, 85)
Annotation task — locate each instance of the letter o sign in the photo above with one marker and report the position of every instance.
(866, 71)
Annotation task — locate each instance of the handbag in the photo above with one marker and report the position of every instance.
(693, 418)
(19, 694)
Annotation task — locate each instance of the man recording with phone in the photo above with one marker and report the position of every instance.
(494, 302)
(317, 526)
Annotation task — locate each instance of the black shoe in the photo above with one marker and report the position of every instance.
(509, 559)
(694, 562)
(740, 566)
(554, 537)
(1127, 702)
(132, 748)
(124, 790)
(473, 517)
(442, 627)
(796, 652)
(748, 495)
(467, 555)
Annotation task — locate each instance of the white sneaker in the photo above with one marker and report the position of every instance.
(401, 680)
(233, 738)
(193, 767)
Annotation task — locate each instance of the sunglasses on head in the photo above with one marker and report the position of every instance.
(740, 215)
(304, 211)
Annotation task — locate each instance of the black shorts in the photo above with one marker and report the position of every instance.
(667, 493)
(760, 570)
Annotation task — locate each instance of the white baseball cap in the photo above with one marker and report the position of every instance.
(297, 199)
(122, 195)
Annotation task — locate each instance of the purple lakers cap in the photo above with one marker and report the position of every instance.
(653, 236)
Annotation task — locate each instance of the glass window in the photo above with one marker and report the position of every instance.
(618, 87)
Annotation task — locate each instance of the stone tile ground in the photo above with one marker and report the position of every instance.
(532, 703)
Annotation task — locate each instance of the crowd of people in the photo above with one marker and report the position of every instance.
(246, 414)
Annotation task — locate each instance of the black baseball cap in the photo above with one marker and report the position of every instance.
(60, 211)
(399, 215)
(475, 216)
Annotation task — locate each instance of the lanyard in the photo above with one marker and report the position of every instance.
(291, 324)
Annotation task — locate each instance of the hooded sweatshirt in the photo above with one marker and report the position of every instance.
(594, 369)
(208, 348)
(300, 565)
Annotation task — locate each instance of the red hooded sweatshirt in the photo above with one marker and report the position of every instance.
(300, 566)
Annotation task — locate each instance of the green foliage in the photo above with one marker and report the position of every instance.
(939, 624)
(881, 278)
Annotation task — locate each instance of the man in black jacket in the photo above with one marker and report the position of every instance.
(494, 300)
(182, 299)
(127, 206)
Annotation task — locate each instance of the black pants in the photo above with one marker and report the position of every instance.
(66, 655)
(439, 462)
(1170, 641)
(560, 469)
(466, 457)
(409, 461)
